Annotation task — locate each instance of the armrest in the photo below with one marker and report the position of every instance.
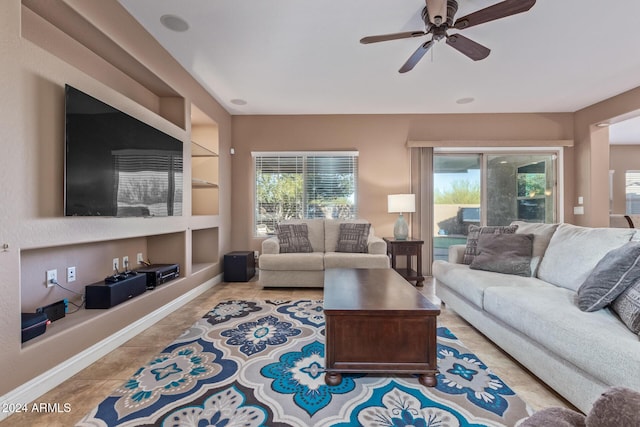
(375, 245)
(271, 246)
(456, 253)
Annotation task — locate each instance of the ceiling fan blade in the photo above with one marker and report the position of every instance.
(394, 36)
(491, 13)
(417, 56)
(468, 47)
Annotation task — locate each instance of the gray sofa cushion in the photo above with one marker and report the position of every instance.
(596, 342)
(355, 260)
(293, 238)
(504, 253)
(574, 251)
(293, 261)
(471, 284)
(353, 238)
(619, 269)
(474, 233)
(627, 305)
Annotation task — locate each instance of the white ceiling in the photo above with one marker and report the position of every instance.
(304, 57)
(626, 132)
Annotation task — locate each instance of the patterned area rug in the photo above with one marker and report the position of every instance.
(261, 363)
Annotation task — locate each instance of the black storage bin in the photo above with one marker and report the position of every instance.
(33, 324)
(239, 266)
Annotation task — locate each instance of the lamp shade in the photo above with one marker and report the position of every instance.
(398, 203)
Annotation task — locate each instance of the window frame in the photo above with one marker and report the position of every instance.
(305, 155)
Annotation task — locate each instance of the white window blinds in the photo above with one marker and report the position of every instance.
(632, 190)
(290, 185)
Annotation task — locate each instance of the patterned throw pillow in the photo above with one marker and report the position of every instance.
(627, 305)
(293, 238)
(614, 273)
(474, 233)
(504, 253)
(353, 237)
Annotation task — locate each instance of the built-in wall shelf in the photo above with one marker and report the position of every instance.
(93, 262)
(204, 164)
(60, 30)
(201, 183)
(204, 248)
(198, 150)
(88, 318)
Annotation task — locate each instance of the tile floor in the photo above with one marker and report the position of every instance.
(90, 386)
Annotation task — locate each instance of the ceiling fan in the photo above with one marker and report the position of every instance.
(438, 18)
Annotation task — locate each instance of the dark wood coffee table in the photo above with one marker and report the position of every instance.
(377, 322)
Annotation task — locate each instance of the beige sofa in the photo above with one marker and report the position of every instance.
(536, 319)
(307, 269)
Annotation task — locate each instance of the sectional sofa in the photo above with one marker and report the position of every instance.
(306, 269)
(537, 319)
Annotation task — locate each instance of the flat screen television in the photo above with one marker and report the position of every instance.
(116, 165)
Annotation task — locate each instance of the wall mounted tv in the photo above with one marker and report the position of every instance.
(116, 165)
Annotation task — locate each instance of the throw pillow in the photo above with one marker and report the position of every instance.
(293, 238)
(504, 253)
(613, 274)
(542, 234)
(474, 234)
(353, 237)
(627, 305)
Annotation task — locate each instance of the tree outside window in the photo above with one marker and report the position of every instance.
(303, 185)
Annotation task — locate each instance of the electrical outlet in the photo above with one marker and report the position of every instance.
(71, 274)
(52, 278)
(139, 258)
(116, 264)
(125, 262)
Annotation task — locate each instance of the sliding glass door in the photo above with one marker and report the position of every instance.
(490, 188)
(456, 199)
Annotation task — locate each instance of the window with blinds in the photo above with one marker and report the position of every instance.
(148, 183)
(297, 185)
(632, 190)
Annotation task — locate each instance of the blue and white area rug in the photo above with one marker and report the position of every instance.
(261, 363)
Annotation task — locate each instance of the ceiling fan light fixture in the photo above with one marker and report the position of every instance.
(438, 17)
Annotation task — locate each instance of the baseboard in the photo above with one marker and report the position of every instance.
(46, 381)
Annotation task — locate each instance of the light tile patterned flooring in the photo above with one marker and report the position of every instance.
(90, 386)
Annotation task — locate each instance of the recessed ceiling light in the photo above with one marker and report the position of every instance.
(602, 125)
(467, 100)
(238, 101)
(174, 23)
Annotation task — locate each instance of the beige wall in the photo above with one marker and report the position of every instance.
(384, 165)
(592, 154)
(32, 226)
(621, 159)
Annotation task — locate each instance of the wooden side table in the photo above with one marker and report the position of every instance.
(408, 248)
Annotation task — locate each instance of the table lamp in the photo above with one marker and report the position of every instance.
(401, 203)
